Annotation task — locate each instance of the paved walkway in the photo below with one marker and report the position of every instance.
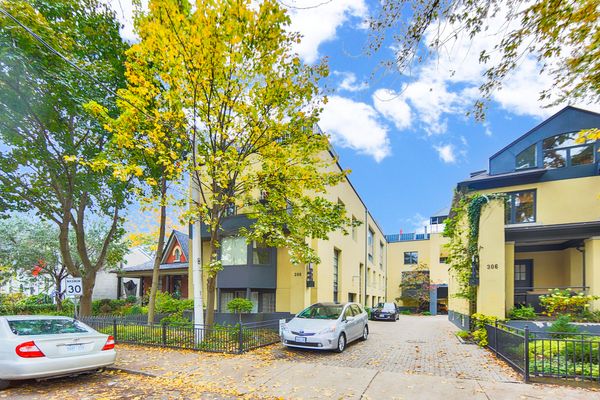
(412, 345)
(415, 358)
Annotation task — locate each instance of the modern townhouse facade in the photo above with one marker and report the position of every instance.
(546, 234)
(353, 267)
(410, 252)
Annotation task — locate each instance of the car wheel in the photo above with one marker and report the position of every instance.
(365, 334)
(4, 384)
(341, 345)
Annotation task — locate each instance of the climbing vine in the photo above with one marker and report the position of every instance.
(462, 227)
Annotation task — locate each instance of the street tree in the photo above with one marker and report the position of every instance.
(564, 36)
(29, 248)
(415, 286)
(249, 108)
(44, 127)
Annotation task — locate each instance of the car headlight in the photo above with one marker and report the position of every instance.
(330, 329)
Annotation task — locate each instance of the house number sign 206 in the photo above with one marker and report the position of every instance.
(492, 266)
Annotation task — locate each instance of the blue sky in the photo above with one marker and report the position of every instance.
(406, 138)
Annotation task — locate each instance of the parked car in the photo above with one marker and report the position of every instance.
(385, 311)
(327, 326)
(34, 347)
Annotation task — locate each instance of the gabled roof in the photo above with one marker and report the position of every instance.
(182, 239)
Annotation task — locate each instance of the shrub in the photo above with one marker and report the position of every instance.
(523, 313)
(177, 319)
(478, 325)
(240, 305)
(562, 327)
(564, 301)
(465, 335)
(167, 304)
(426, 313)
(406, 312)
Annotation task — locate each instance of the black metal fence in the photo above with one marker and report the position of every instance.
(237, 338)
(544, 354)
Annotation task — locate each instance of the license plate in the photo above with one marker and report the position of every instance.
(300, 339)
(74, 348)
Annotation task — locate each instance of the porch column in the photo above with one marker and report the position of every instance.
(509, 260)
(491, 294)
(592, 268)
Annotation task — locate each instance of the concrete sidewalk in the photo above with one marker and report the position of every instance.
(259, 375)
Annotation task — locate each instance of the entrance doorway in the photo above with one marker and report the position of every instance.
(523, 281)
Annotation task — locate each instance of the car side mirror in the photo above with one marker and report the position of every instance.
(349, 318)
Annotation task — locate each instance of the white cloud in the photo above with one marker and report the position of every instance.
(417, 223)
(446, 153)
(355, 125)
(393, 107)
(318, 22)
(349, 82)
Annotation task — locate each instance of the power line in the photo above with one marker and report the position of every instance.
(71, 63)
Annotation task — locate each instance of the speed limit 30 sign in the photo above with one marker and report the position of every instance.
(73, 287)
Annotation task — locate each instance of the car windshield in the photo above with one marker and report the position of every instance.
(26, 327)
(320, 311)
(389, 307)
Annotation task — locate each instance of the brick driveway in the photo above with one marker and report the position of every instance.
(412, 345)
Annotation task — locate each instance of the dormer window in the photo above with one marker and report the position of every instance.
(564, 151)
(177, 255)
(526, 159)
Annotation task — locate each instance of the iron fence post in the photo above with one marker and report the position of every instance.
(526, 350)
(240, 339)
(115, 329)
(164, 334)
(496, 337)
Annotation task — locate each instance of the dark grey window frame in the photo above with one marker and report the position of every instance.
(513, 211)
(410, 257)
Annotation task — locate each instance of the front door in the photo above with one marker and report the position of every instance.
(523, 280)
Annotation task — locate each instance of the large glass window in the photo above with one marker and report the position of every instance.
(526, 158)
(234, 251)
(381, 251)
(411, 257)
(370, 244)
(520, 207)
(336, 265)
(267, 302)
(261, 255)
(563, 150)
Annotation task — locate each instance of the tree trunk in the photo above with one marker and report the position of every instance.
(211, 282)
(85, 302)
(159, 251)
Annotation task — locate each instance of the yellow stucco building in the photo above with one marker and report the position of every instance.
(545, 234)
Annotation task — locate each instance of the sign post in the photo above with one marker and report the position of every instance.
(74, 290)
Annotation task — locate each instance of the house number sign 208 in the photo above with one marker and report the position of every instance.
(492, 266)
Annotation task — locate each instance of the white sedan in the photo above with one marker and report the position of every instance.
(327, 326)
(34, 347)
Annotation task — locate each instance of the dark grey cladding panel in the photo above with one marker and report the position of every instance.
(537, 233)
(231, 225)
(248, 276)
(569, 119)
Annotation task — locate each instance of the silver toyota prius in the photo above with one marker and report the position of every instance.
(327, 326)
(34, 347)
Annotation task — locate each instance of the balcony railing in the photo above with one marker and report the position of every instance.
(405, 237)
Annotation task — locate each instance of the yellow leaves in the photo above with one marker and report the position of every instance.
(70, 158)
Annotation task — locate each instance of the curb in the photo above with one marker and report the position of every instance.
(131, 371)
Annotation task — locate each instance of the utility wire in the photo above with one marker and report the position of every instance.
(71, 63)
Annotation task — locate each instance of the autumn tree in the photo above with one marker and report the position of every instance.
(249, 107)
(30, 248)
(564, 36)
(415, 286)
(44, 127)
